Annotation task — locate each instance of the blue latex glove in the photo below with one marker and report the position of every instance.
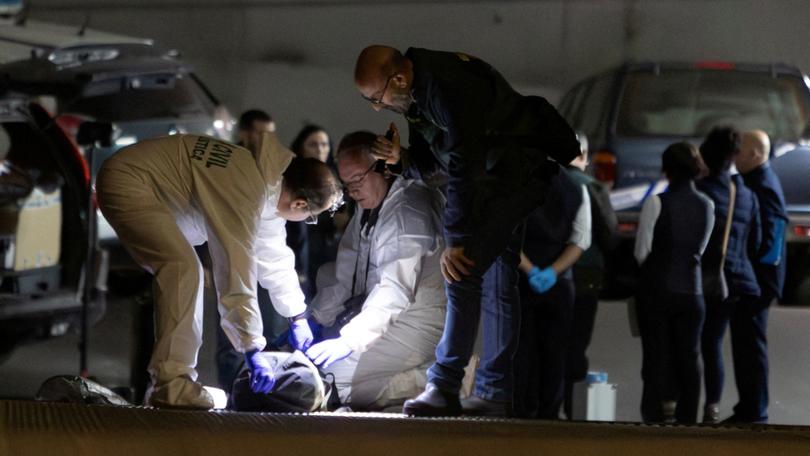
(328, 352)
(262, 378)
(286, 336)
(300, 334)
(541, 280)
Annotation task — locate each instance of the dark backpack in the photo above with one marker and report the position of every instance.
(300, 387)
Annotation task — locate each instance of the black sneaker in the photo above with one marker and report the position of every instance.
(711, 414)
(433, 402)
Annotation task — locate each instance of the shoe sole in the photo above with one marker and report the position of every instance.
(432, 413)
(493, 414)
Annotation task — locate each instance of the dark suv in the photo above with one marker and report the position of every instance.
(630, 114)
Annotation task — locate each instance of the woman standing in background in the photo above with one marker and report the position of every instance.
(674, 229)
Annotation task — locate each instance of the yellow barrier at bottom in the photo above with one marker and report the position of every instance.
(34, 428)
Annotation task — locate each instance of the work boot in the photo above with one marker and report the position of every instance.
(180, 392)
(433, 402)
(478, 406)
(711, 414)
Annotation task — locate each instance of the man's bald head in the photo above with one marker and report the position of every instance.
(376, 63)
(755, 147)
(384, 76)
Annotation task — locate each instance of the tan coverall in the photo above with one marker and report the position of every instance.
(163, 196)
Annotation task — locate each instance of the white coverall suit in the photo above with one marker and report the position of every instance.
(397, 267)
(163, 196)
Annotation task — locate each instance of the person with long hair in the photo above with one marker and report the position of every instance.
(314, 244)
(728, 274)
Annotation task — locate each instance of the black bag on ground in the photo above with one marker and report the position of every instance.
(300, 387)
(77, 390)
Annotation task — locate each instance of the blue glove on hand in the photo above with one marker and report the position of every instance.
(328, 352)
(262, 378)
(300, 335)
(541, 280)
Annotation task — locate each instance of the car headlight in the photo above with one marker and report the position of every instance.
(223, 123)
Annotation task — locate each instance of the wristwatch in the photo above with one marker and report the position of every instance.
(301, 316)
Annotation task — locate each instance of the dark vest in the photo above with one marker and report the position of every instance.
(674, 261)
(548, 227)
(765, 184)
(743, 238)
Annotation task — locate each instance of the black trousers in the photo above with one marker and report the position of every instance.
(650, 396)
(576, 361)
(676, 323)
(545, 333)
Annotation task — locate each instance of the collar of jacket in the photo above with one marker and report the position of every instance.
(419, 85)
(370, 216)
(723, 178)
(685, 184)
(756, 172)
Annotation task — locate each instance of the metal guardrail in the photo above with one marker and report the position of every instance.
(36, 428)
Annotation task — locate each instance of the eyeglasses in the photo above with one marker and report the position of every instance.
(379, 100)
(355, 183)
(312, 219)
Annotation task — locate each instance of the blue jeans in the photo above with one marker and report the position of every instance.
(492, 298)
(499, 204)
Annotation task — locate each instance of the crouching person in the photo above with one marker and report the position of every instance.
(388, 266)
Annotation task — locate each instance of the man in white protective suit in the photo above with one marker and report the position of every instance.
(389, 258)
(165, 195)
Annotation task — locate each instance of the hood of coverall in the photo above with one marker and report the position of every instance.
(272, 158)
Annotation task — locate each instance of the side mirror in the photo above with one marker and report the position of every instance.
(583, 141)
(92, 133)
(581, 161)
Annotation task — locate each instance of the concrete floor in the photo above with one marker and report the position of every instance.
(613, 350)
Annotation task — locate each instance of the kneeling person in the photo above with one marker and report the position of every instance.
(389, 257)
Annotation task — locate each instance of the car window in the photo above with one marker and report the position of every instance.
(571, 102)
(692, 102)
(143, 97)
(593, 110)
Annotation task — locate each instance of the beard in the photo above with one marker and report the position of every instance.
(400, 103)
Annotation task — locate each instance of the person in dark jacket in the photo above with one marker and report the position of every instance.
(556, 235)
(494, 146)
(728, 275)
(674, 228)
(750, 318)
(588, 273)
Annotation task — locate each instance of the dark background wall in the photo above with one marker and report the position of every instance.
(295, 58)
